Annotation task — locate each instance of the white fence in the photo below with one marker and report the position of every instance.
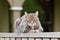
(30, 36)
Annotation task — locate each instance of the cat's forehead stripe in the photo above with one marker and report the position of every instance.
(31, 14)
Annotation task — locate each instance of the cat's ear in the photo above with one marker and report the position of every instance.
(26, 13)
(36, 13)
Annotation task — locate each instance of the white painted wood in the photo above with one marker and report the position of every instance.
(7, 39)
(31, 38)
(46, 39)
(32, 35)
(16, 8)
(12, 38)
(1, 38)
(38, 38)
(54, 38)
(24, 38)
(42, 34)
(18, 38)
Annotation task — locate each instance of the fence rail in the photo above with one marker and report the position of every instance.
(30, 36)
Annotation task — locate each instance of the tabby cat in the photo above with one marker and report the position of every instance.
(28, 23)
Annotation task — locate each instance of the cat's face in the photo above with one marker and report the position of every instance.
(32, 19)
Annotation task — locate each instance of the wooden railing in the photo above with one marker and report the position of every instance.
(30, 36)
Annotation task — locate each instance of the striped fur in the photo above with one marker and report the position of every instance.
(28, 23)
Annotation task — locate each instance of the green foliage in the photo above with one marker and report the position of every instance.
(33, 6)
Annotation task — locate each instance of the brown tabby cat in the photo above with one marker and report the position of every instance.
(28, 23)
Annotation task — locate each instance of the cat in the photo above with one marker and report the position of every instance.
(28, 23)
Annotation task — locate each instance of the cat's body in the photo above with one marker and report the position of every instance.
(28, 23)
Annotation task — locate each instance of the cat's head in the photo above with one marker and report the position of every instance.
(31, 18)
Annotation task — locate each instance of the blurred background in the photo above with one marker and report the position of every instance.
(49, 13)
